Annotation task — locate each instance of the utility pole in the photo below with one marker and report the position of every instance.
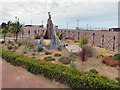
(66, 25)
(42, 22)
(77, 24)
(31, 22)
(87, 26)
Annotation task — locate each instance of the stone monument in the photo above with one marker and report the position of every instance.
(50, 38)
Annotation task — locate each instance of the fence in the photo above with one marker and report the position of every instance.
(100, 39)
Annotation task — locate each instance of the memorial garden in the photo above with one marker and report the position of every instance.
(76, 64)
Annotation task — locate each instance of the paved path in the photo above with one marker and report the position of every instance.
(17, 77)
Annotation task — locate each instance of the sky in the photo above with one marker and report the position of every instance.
(64, 13)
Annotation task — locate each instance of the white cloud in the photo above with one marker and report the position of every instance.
(95, 12)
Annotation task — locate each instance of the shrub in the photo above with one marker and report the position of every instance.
(60, 73)
(61, 58)
(57, 55)
(33, 54)
(93, 71)
(118, 79)
(48, 53)
(117, 56)
(89, 50)
(37, 36)
(72, 65)
(19, 44)
(39, 49)
(59, 48)
(84, 40)
(10, 42)
(25, 50)
(110, 62)
(65, 60)
(9, 47)
(49, 58)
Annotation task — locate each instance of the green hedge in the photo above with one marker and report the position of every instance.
(63, 74)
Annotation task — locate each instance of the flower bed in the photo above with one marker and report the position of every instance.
(63, 74)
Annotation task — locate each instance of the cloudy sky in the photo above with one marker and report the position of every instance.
(95, 13)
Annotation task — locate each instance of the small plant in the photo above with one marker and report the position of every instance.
(59, 48)
(10, 42)
(61, 58)
(49, 58)
(57, 55)
(84, 40)
(19, 44)
(93, 71)
(33, 54)
(25, 50)
(10, 47)
(118, 79)
(60, 36)
(72, 65)
(37, 36)
(65, 60)
(117, 56)
(48, 53)
(39, 49)
(72, 56)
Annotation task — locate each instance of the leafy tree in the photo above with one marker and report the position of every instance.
(4, 28)
(16, 29)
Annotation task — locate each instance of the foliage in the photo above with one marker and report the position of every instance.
(39, 49)
(48, 53)
(33, 54)
(60, 73)
(19, 43)
(118, 79)
(25, 50)
(84, 40)
(57, 33)
(9, 47)
(72, 65)
(117, 56)
(93, 71)
(59, 48)
(37, 36)
(60, 36)
(61, 58)
(65, 60)
(10, 42)
(89, 50)
(49, 58)
(72, 56)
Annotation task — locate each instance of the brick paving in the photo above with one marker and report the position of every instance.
(17, 77)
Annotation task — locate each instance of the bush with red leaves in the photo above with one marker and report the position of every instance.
(110, 62)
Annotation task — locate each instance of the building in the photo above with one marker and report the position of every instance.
(115, 29)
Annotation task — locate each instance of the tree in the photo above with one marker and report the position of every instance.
(16, 29)
(4, 30)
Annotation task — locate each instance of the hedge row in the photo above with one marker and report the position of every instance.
(63, 74)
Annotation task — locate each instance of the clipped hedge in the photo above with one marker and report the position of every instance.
(63, 74)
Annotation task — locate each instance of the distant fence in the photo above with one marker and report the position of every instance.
(103, 39)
